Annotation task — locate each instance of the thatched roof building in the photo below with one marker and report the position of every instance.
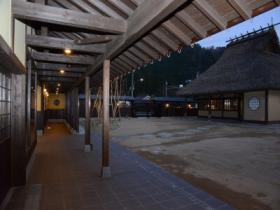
(250, 63)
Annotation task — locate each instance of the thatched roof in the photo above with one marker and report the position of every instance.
(250, 63)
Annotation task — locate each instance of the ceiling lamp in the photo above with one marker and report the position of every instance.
(67, 51)
(61, 71)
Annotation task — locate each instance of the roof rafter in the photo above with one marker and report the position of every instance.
(211, 13)
(58, 43)
(58, 66)
(240, 6)
(191, 23)
(27, 11)
(57, 74)
(59, 58)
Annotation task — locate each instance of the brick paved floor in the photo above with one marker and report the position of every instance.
(65, 178)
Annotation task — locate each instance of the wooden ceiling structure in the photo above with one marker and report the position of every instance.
(131, 33)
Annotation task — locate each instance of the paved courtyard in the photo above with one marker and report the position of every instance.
(64, 177)
(238, 163)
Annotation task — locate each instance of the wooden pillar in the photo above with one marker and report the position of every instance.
(266, 106)
(28, 104)
(106, 171)
(88, 146)
(75, 106)
(18, 129)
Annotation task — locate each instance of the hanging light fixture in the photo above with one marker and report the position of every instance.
(67, 51)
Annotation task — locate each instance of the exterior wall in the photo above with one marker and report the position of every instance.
(216, 114)
(55, 111)
(39, 98)
(259, 114)
(274, 105)
(6, 20)
(52, 98)
(6, 30)
(20, 47)
(231, 114)
(202, 113)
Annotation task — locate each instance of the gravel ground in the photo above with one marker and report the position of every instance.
(236, 162)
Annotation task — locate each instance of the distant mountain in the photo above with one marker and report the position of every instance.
(176, 70)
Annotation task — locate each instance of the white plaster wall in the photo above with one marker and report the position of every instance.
(6, 20)
(6, 30)
(216, 113)
(259, 114)
(274, 105)
(230, 114)
(202, 113)
(20, 47)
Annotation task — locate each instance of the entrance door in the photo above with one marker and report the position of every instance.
(5, 135)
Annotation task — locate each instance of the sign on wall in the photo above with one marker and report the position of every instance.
(254, 103)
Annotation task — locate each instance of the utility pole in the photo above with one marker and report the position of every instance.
(166, 88)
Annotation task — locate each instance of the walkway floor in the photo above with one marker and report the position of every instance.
(65, 178)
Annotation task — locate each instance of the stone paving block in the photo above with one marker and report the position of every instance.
(70, 179)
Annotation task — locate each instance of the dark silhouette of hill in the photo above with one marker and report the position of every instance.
(177, 69)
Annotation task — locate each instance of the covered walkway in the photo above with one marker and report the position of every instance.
(65, 177)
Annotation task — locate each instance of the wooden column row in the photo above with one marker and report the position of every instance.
(106, 170)
(88, 146)
(72, 108)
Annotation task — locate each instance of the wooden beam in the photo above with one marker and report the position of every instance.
(145, 48)
(94, 40)
(58, 74)
(167, 41)
(56, 67)
(157, 46)
(9, 60)
(191, 23)
(105, 9)
(147, 15)
(60, 58)
(132, 57)
(177, 32)
(26, 11)
(211, 13)
(145, 58)
(56, 79)
(121, 6)
(59, 43)
(241, 8)
(127, 61)
(106, 172)
(87, 146)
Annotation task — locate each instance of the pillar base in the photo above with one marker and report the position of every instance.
(87, 148)
(106, 172)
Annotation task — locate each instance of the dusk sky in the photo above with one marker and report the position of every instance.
(219, 39)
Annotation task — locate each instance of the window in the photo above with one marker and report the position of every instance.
(203, 104)
(217, 105)
(5, 107)
(231, 104)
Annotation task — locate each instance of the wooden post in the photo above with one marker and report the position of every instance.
(88, 146)
(106, 171)
(18, 129)
(28, 104)
(266, 106)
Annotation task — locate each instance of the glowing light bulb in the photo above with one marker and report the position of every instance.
(67, 51)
